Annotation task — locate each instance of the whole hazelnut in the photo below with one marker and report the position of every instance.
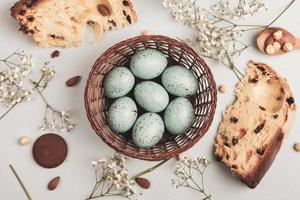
(297, 146)
(288, 47)
(146, 32)
(181, 156)
(270, 49)
(222, 88)
(24, 140)
(276, 45)
(277, 35)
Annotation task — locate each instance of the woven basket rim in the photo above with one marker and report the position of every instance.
(183, 147)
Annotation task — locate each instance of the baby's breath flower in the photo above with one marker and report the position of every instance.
(187, 173)
(217, 37)
(12, 89)
(94, 163)
(243, 8)
(113, 174)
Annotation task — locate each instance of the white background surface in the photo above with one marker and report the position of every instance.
(77, 179)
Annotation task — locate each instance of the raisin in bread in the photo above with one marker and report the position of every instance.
(253, 128)
(63, 23)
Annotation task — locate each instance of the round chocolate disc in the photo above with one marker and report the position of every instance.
(50, 150)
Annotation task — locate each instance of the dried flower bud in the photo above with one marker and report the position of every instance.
(270, 49)
(277, 35)
(288, 47)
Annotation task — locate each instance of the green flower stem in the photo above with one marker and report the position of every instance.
(20, 181)
(280, 14)
(149, 169)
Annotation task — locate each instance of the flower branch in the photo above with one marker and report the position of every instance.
(14, 90)
(112, 179)
(53, 118)
(218, 37)
(190, 174)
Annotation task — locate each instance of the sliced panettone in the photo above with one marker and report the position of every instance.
(254, 127)
(63, 23)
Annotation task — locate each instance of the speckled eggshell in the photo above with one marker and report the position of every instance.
(118, 82)
(151, 96)
(179, 116)
(148, 63)
(179, 81)
(148, 130)
(122, 114)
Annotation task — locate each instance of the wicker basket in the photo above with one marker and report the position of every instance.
(204, 101)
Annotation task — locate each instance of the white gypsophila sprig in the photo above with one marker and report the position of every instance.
(112, 178)
(190, 174)
(216, 38)
(14, 76)
(14, 70)
(238, 8)
(53, 118)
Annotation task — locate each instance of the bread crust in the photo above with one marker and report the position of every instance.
(135, 16)
(271, 152)
(69, 27)
(272, 148)
(265, 163)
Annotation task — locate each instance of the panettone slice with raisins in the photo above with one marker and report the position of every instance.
(63, 23)
(254, 127)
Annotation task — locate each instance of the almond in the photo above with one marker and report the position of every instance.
(103, 10)
(142, 182)
(53, 183)
(73, 81)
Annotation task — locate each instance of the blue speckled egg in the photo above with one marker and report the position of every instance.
(179, 81)
(151, 96)
(148, 130)
(122, 114)
(148, 63)
(179, 116)
(118, 82)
